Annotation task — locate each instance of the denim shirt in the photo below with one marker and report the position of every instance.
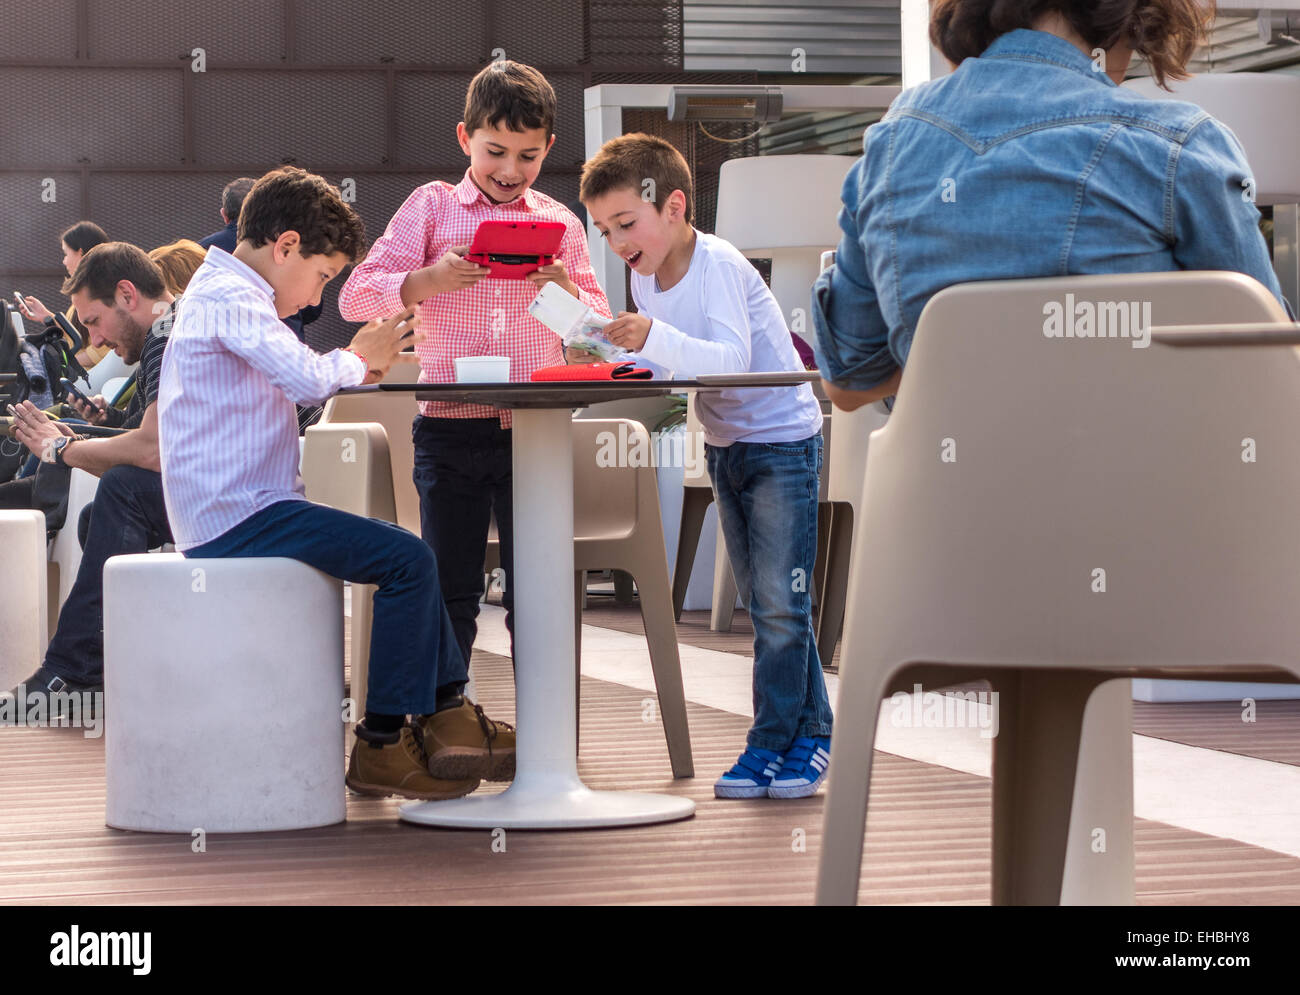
(1025, 162)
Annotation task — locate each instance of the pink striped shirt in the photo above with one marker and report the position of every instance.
(488, 319)
(232, 372)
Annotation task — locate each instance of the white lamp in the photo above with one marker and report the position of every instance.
(784, 208)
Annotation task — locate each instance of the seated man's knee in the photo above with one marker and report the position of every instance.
(83, 523)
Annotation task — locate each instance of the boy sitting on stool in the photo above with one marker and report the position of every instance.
(229, 444)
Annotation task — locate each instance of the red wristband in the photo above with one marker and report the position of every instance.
(363, 361)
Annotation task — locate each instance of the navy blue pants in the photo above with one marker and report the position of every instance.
(127, 516)
(413, 649)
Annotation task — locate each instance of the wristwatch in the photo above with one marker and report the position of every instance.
(54, 451)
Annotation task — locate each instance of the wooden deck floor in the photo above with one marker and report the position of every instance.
(927, 839)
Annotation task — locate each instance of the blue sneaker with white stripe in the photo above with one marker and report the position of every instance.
(751, 775)
(803, 769)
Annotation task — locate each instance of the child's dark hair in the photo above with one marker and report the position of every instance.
(629, 160)
(1164, 32)
(292, 199)
(107, 264)
(84, 236)
(511, 92)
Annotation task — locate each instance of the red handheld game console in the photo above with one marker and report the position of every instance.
(513, 249)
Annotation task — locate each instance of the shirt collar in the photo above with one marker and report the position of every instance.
(1039, 46)
(467, 192)
(222, 259)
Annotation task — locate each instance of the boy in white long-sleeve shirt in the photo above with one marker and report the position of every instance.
(704, 308)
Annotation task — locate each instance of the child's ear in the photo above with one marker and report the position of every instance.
(286, 243)
(462, 136)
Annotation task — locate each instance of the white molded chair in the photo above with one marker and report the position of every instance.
(24, 627)
(1094, 520)
(111, 367)
(226, 683)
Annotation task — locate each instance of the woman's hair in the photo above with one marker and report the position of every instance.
(178, 261)
(1164, 32)
(84, 236)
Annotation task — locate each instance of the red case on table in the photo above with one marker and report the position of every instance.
(593, 371)
(513, 249)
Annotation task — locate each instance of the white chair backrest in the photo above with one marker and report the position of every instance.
(613, 476)
(109, 368)
(797, 221)
(1037, 498)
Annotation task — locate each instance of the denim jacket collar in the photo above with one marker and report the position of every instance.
(1039, 46)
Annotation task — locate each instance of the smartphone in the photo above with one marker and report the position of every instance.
(19, 298)
(71, 388)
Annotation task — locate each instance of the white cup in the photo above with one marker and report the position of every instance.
(482, 369)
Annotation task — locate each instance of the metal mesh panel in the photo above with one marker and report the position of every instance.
(313, 119)
(46, 30)
(643, 33)
(118, 116)
(427, 107)
(151, 209)
(569, 149)
(232, 31)
(32, 225)
(554, 38)
(345, 32)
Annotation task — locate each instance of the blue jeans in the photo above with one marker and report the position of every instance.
(412, 648)
(127, 516)
(463, 474)
(767, 508)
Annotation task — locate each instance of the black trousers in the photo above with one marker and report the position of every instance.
(127, 516)
(463, 476)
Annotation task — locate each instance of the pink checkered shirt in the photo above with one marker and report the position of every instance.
(488, 319)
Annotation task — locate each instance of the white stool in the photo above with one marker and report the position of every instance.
(223, 692)
(23, 621)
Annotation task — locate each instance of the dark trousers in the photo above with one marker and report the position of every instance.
(412, 649)
(463, 475)
(127, 516)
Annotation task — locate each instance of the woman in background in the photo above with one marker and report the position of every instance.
(76, 242)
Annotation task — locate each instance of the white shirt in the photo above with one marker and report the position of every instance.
(232, 372)
(721, 318)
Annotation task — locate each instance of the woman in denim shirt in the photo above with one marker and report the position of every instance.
(1029, 161)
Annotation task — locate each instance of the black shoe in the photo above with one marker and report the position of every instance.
(56, 692)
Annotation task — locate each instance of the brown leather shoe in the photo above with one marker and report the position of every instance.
(463, 742)
(395, 763)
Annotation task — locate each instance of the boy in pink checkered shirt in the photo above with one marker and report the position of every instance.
(463, 451)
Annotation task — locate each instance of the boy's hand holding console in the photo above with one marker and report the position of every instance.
(378, 342)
